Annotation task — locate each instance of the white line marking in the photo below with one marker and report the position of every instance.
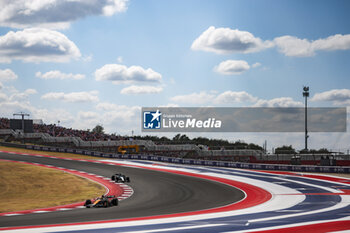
(12, 214)
(345, 202)
(177, 228)
(41, 211)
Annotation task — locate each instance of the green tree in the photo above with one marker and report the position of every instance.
(98, 129)
(177, 137)
(254, 146)
(285, 150)
(184, 138)
(312, 151)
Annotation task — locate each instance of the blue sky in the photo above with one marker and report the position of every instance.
(97, 62)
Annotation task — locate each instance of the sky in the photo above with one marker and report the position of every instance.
(83, 63)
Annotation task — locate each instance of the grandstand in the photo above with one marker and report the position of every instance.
(55, 136)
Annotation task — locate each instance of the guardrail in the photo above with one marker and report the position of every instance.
(294, 168)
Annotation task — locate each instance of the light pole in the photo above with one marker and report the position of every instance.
(306, 94)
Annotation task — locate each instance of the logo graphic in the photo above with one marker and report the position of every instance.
(152, 120)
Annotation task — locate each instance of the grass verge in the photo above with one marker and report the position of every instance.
(24, 187)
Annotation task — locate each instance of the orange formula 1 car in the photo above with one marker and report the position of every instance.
(103, 201)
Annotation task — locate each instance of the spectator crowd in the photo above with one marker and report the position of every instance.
(4, 123)
(59, 131)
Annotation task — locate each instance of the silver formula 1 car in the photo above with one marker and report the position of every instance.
(118, 177)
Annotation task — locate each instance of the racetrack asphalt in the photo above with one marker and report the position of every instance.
(155, 193)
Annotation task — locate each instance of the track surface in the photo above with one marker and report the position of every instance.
(275, 202)
(155, 193)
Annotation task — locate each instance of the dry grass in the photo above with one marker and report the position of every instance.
(57, 154)
(24, 187)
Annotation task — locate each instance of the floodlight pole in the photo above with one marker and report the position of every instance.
(306, 94)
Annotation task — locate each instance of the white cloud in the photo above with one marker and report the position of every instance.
(88, 115)
(30, 91)
(337, 96)
(232, 67)
(13, 100)
(335, 42)
(194, 98)
(7, 75)
(257, 64)
(228, 97)
(127, 115)
(37, 45)
(10, 107)
(114, 118)
(56, 74)
(73, 97)
(114, 6)
(232, 98)
(293, 46)
(52, 116)
(120, 74)
(11, 94)
(105, 106)
(278, 102)
(170, 105)
(226, 40)
(136, 90)
(3, 97)
(121, 118)
(87, 58)
(54, 13)
(172, 81)
(22, 95)
(120, 59)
